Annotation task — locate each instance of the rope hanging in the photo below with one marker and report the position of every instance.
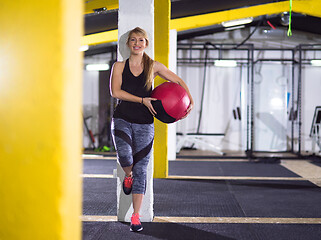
(290, 20)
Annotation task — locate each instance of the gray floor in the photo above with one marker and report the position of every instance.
(294, 198)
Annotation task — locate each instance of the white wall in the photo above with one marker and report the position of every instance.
(90, 105)
(172, 65)
(91, 96)
(222, 94)
(311, 97)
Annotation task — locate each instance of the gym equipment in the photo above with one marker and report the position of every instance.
(90, 134)
(103, 149)
(172, 102)
(315, 132)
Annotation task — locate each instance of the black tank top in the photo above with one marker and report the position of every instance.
(131, 111)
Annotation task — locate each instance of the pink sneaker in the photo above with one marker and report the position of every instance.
(135, 224)
(127, 185)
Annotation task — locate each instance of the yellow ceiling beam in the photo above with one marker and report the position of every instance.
(99, 38)
(209, 19)
(309, 7)
(90, 5)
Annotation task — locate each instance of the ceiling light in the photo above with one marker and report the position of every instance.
(237, 22)
(97, 67)
(83, 48)
(316, 62)
(234, 28)
(225, 63)
(100, 10)
(285, 19)
(277, 103)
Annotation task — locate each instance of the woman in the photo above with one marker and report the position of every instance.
(133, 122)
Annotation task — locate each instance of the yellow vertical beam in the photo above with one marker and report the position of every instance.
(40, 124)
(162, 16)
(309, 7)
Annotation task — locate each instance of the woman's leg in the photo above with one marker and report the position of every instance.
(121, 133)
(137, 202)
(128, 171)
(143, 136)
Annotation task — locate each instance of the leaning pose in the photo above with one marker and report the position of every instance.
(133, 122)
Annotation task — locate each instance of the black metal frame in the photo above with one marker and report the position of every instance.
(302, 60)
(293, 62)
(298, 60)
(210, 61)
(250, 62)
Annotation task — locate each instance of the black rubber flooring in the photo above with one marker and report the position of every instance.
(96, 166)
(208, 198)
(202, 168)
(194, 231)
(317, 164)
(99, 196)
(208, 168)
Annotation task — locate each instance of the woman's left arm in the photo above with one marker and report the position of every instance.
(162, 71)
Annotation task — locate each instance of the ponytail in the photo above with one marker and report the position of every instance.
(148, 70)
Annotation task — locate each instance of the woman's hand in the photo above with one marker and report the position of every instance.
(147, 101)
(162, 71)
(189, 109)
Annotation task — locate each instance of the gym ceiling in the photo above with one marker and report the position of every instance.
(195, 18)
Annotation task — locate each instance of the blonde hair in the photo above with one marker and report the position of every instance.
(148, 63)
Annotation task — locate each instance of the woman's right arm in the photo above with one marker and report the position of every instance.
(115, 84)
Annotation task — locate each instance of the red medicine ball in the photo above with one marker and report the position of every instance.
(172, 102)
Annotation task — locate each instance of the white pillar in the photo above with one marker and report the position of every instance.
(172, 65)
(135, 13)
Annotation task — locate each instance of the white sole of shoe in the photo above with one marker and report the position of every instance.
(136, 230)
